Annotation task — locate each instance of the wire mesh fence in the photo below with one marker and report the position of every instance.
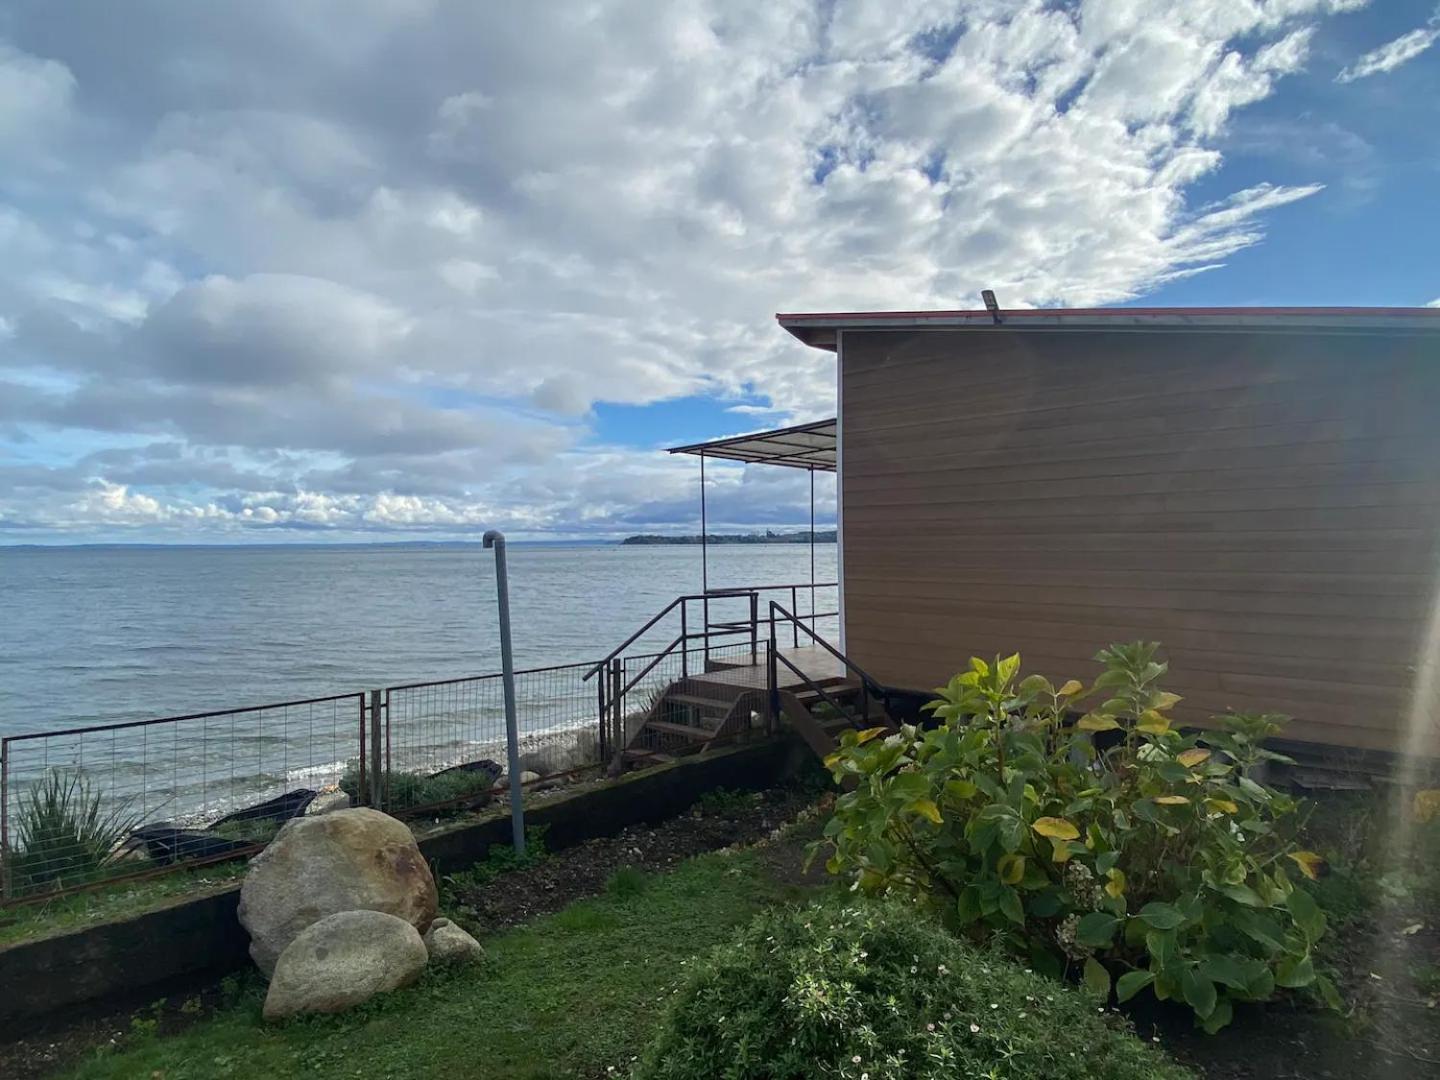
(446, 744)
(95, 804)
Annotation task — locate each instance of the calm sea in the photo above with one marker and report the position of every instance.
(89, 635)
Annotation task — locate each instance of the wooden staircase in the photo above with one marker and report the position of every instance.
(699, 711)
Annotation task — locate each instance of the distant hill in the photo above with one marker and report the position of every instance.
(825, 537)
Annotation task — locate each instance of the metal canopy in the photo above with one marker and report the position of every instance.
(804, 446)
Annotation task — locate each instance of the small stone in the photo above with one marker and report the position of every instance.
(448, 944)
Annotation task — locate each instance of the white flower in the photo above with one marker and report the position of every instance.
(975, 1029)
(994, 1005)
(856, 1059)
(929, 1027)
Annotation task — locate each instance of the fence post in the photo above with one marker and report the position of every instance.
(494, 538)
(4, 820)
(376, 785)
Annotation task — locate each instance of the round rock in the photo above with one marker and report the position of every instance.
(346, 860)
(343, 960)
(448, 944)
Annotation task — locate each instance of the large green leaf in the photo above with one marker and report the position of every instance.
(1306, 913)
(1199, 992)
(1096, 930)
(1224, 969)
(1294, 972)
(1097, 979)
(1161, 916)
(1010, 906)
(1131, 983)
(1219, 1017)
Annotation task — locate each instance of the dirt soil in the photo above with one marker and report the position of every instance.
(1388, 979)
(563, 877)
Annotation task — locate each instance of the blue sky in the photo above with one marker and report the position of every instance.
(385, 269)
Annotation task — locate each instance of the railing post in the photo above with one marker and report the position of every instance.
(601, 718)
(794, 619)
(684, 640)
(705, 612)
(376, 785)
(617, 712)
(772, 680)
(754, 624)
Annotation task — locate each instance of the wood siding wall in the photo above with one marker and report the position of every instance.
(1266, 505)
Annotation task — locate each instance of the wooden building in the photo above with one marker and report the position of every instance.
(1258, 489)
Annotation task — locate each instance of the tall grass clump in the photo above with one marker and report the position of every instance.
(67, 833)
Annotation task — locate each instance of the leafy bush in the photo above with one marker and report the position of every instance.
(1157, 861)
(409, 791)
(878, 990)
(67, 834)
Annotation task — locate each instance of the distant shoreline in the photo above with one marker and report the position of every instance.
(821, 537)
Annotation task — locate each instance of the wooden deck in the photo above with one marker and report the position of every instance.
(731, 680)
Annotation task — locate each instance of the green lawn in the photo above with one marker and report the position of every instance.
(565, 996)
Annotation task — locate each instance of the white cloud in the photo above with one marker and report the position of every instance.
(1434, 303)
(1392, 54)
(390, 255)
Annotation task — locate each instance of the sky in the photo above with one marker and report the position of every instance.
(410, 269)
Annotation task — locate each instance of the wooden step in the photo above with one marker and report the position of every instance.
(700, 702)
(683, 730)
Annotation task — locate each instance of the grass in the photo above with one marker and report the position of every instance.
(566, 996)
(408, 791)
(42, 918)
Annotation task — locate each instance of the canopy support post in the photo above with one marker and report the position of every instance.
(812, 547)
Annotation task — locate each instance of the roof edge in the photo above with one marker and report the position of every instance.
(819, 329)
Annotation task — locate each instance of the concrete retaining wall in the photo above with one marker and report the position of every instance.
(133, 960)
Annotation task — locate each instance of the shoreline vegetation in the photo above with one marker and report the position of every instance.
(821, 537)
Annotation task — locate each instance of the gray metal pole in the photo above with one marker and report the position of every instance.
(496, 539)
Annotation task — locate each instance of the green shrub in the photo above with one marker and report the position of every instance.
(878, 990)
(1158, 861)
(66, 834)
(410, 791)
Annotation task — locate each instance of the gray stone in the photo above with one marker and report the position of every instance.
(448, 944)
(343, 960)
(346, 860)
(328, 802)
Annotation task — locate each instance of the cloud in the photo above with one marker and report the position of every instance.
(1434, 303)
(1392, 54)
(371, 265)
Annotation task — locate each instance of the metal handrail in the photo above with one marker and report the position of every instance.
(775, 606)
(780, 658)
(709, 594)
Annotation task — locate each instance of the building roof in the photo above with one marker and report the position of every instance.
(820, 328)
(804, 446)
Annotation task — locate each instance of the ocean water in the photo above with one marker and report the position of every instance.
(102, 639)
(94, 635)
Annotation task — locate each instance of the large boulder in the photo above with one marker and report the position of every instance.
(448, 944)
(342, 960)
(346, 860)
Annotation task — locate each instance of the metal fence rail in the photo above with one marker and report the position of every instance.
(94, 804)
(89, 806)
(453, 731)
